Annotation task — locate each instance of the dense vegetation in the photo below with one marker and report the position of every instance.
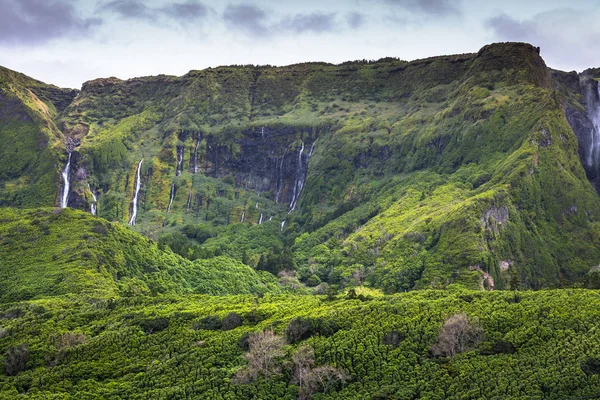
(534, 345)
(282, 214)
(50, 252)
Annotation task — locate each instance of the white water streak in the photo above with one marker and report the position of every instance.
(260, 219)
(134, 201)
(179, 160)
(196, 156)
(66, 184)
(94, 205)
(189, 202)
(171, 198)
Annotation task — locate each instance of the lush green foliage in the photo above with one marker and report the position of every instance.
(49, 252)
(535, 345)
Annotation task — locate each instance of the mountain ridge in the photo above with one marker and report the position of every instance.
(474, 140)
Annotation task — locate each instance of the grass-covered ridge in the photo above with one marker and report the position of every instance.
(52, 252)
(536, 345)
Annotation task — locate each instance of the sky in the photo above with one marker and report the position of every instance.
(67, 42)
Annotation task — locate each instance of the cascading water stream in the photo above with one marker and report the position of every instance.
(282, 225)
(243, 216)
(134, 201)
(189, 202)
(260, 219)
(196, 156)
(64, 199)
(280, 181)
(94, 205)
(300, 176)
(594, 113)
(172, 196)
(179, 160)
(298, 182)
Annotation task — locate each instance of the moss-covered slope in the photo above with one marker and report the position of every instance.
(458, 169)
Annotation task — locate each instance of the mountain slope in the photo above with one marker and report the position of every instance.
(459, 169)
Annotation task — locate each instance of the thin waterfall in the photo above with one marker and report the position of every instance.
(134, 201)
(282, 225)
(270, 219)
(260, 219)
(594, 113)
(243, 216)
(256, 205)
(94, 205)
(179, 160)
(280, 181)
(66, 183)
(196, 156)
(301, 172)
(172, 196)
(189, 202)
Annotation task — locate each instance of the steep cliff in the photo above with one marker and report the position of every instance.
(458, 169)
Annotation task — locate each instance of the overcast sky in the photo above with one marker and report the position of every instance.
(66, 42)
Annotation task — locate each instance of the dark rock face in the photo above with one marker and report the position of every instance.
(583, 115)
(268, 162)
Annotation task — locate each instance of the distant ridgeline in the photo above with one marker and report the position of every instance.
(480, 170)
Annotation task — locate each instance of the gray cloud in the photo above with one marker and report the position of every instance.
(315, 22)
(510, 29)
(355, 20)
(190, 10)
(246, 18)
(180, 12)
(568, 38)
(39, 21)
(129, 9)
(431, 7)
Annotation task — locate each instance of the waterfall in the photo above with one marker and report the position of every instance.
(171, 198)
(134, 201)
(593, 159)
(270, 219)
(280, 181)
(262, 132)
(256, 205)
(179, 160)
(94, 205)
(260, 219)
(301, 172)
(66, 184)
(282, 225)
(196, 156)
(189, 202)
(243, 215)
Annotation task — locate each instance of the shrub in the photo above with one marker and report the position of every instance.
(16, 359)
(210, 323)
(231, 321)
(457, 335)
(154, 325)
(264, 354)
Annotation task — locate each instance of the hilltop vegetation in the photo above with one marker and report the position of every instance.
(53, 252)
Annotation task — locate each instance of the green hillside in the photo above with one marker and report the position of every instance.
(248, 232)
(54, 252)
(458, 169)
